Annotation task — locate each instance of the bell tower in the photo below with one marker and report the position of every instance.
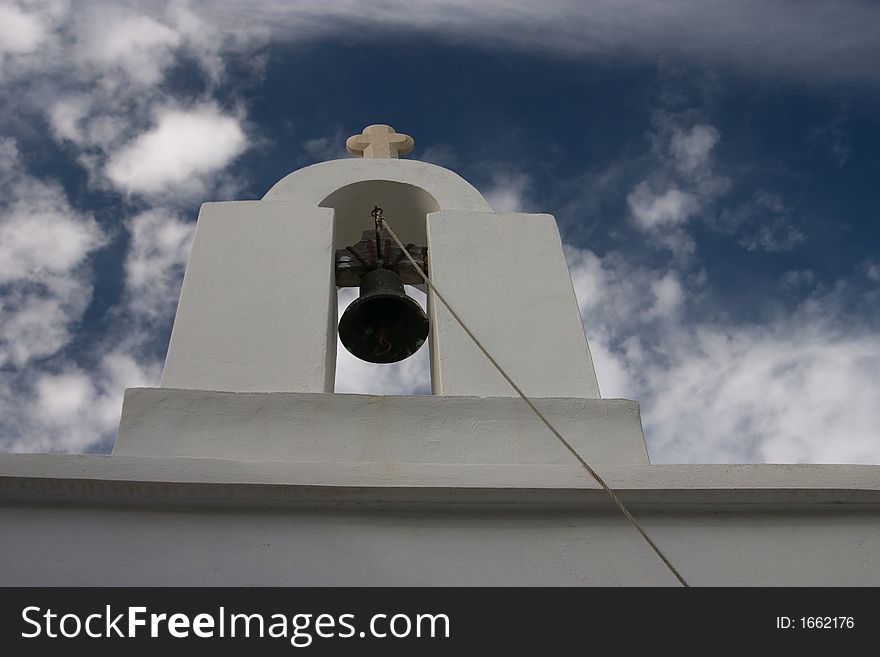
(245, 468)
(257, 310)
(251, 363)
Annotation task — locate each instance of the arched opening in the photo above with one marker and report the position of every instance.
(405, 208)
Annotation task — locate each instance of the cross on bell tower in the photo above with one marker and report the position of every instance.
(379, 140)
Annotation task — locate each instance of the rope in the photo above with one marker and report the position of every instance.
(620, 505)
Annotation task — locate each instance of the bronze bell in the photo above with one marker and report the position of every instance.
(383, 325)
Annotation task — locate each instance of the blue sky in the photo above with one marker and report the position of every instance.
(713, 167)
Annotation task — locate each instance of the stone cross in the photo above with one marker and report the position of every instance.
(379, 140)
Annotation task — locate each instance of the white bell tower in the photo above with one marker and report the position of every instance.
(257, 311)
(258, 315)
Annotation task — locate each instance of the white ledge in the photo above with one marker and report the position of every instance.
(87, 479)
(399, 429)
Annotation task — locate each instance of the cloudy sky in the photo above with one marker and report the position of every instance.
(714, 167)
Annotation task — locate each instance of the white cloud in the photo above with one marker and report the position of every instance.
(66, 115)
(658, 210)
(775, 236)
(763, 222)
(618, 302)
(683, 184)
(43, 236)
(614, 379)
(589, 277)
(99, 79)
(440, 154)
(183, 150)
(44, 245)
(679, 183)
(616, 298)
(74, 118)
(135, 44)
(37, 325)
(54, 404)
(814, 40)
(20, 32)
(120, 52)
(200, 36)
(71, 410)
(157, 254)
(691, 148)
(795, 278)
(48, 402)
(791, 392)
(801, 388)
(328, 147)
(668, 296)
(60, 397)
(69, 407)
(117, 371)
(507, 192)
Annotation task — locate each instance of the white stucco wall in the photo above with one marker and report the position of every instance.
(297, 427)
(505, 275)
(407, 190)
(315, 183)
(418, 547)
(257, 308)
(129, 521)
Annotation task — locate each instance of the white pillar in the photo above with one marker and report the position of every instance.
(257, 310)
(506, 277)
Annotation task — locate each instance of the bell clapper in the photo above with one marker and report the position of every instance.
(383, 347)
